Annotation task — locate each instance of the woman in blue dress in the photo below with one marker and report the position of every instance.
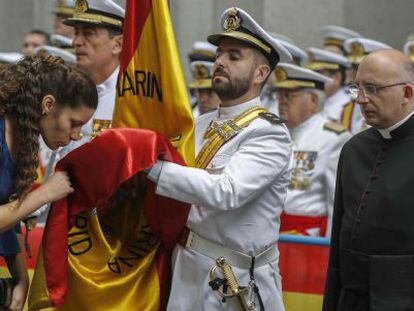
(40, 95)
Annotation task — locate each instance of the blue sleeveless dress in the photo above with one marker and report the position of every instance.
(9, 244)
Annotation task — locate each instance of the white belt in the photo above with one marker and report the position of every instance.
(238, 259)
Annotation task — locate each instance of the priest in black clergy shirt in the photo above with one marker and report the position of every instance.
(371, 264)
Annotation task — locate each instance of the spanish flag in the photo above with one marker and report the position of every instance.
(119, 260)
(119, 257)
(151, 90)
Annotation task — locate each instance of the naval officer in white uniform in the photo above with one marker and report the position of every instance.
(238, 190)
(207, 100)
(334, 66)
(317, 143)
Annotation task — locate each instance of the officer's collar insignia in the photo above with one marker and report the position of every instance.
(280, 74)
(272, 118)
(357, 49)
(81, 6)
(232, 22)
(201, 72)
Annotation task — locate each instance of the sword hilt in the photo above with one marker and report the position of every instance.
(231, 281)
(228, 274)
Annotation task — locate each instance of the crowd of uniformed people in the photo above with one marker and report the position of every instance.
(288, 112)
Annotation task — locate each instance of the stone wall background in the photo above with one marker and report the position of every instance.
(387, 21)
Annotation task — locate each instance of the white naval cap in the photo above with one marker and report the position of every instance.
(10, 58)
(299, 56)
(292, 77)
(239, 25)
(202, 72)
(202, 50)
(97, 12)
(63, 7)
(358, 48)
(68, 57)
(281, 37)
(61, 41)
(409, 49)
(322, 59)
(336, 35)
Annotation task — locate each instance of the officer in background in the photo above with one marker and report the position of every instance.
(207, 100)
(299, 57)
(63, 9)
(33, 39)
(335, 36)
(238, 187)
(333, 66)
(200, 51)
(316, 146)
(356, 49)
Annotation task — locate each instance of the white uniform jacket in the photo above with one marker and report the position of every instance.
(334, 105)
(358, 123)
(236, 202)
(269, 100)
(316, 144)
(102, 118)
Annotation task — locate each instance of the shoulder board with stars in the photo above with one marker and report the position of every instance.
(271, 117)
(335, 127)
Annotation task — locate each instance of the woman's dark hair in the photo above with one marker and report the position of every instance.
(22, 88)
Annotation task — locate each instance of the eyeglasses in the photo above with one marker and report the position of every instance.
(369, 89)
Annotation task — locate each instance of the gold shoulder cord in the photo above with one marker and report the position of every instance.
(218, 135)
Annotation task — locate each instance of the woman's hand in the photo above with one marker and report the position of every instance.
(57, 186)
(19, 294)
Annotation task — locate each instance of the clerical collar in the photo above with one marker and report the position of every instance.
(231, 112)
(386, 133)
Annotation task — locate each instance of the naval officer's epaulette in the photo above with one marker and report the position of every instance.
(335, 127)
(271, 117)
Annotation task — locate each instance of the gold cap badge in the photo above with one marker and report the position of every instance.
(280, 74)
(81, 6)
(357, 49)
(232, 22)
(201, 72)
